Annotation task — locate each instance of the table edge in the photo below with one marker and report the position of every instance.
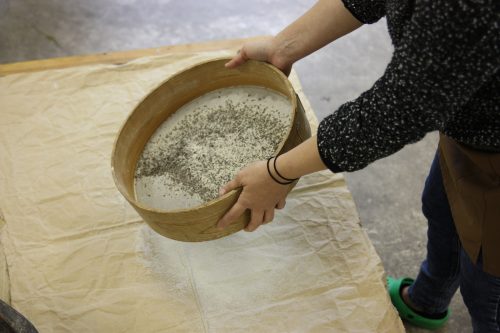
(120, 57)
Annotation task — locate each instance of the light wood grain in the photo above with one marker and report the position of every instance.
(198, 223)
(119, 57)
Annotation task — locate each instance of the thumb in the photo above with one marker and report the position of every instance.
(232, 185)
(239, 59)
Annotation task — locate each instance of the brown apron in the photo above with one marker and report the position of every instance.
(472, 181)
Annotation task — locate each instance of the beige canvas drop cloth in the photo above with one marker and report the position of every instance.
(79, 259)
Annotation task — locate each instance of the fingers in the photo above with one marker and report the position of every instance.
(239, 59)
(268, 216)
(232, 185)
(257, 217)
(281, 204)
(232, 215)
(255, 221)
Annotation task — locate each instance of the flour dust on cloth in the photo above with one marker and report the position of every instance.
(81, 260)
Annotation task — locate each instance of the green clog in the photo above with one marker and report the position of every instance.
(405, 312)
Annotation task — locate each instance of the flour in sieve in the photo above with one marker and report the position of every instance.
(204, 144)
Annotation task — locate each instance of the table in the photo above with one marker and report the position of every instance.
(75, 257)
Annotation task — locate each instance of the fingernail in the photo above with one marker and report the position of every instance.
(222, 191)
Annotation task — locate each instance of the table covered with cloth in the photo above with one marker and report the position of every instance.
(75, 257)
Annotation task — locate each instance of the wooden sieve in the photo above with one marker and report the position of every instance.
(197, 223)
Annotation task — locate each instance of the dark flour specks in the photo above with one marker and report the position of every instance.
(206, 142)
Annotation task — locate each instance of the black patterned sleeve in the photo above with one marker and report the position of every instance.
(447, 51)
(366, 11)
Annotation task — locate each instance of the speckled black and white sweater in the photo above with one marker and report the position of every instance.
(444, 75)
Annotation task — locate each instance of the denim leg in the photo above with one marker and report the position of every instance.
(438, 279)
(481, 294)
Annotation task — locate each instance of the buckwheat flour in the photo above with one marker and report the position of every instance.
(204, 144)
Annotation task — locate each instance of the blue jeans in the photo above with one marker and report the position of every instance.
(447, 266)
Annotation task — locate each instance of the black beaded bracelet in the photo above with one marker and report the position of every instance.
(274, 178)
(276, 170)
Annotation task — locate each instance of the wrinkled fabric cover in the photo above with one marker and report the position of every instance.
(81, 260)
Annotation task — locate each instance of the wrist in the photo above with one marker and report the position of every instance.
(285, 167)
(275, 174)
(301, 160)
(280, 54)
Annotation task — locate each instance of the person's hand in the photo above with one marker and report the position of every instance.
(260, 194)
(261, 50)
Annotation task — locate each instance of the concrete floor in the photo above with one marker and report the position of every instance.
(387, 193)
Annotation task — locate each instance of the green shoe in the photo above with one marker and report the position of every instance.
(405, 312)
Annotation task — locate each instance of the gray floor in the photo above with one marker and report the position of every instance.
(387, 192)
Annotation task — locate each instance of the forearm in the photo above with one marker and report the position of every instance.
(325, 22)
(435, 71)
(301, 160)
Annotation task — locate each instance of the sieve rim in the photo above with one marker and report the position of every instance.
(292, 97)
